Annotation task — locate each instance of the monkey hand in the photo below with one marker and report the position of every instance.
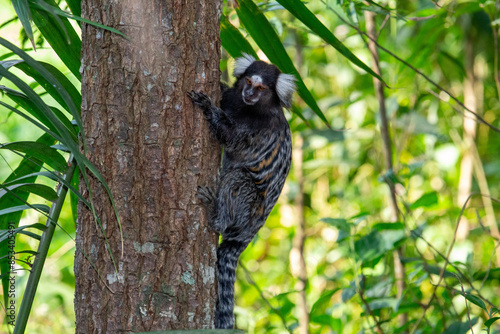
(200, 99)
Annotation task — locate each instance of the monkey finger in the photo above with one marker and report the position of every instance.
(205, 194)
(200, 99)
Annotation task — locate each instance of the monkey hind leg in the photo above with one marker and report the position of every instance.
(214, 211)
(228, 254)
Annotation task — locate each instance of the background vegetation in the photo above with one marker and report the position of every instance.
(337, 203)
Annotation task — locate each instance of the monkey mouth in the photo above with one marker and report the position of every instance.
(249, 102)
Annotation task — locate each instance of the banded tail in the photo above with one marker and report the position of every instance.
(227, 259)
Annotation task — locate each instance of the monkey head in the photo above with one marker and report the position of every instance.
(263, 83)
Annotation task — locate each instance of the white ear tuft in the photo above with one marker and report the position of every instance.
(285, 87)
(242, 63)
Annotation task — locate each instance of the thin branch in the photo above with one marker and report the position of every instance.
(382, 25)
(466, 306)
(369, 310)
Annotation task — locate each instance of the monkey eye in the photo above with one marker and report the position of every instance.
(260, 88)
(249, 81)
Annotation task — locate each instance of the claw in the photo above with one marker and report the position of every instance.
(205, 194)
(200, 99)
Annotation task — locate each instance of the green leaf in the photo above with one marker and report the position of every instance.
(437, 271)
(233, 41)
(41, 207)
(426, 200)
(490, 322)
(33, 96)
(474, 300)
(31, 119)
(460, 327)
(75, 6)
(40, 151)
(5, 234)
(327, 320)
(9, 63)
(492, 273)
(72, 186)
(339, 223)
(302, 13)
(389, 226)
(380, 303)
(74, 195)
(348, 293)
(54, 10)
(61, 36)
(65, 138)
(377, 243)
(315, 139)
(28, 165)
(39, 116)
(264, 35)
(54, 91)
(23, 12)
(34, 188)
(322, 302)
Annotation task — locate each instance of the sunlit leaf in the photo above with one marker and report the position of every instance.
(61, 36)
(339, 223)
(380, 303)
(23, 12)
(389, 226)
(377, 244)
(322, 302)
(26, 166)
(39, 116)
(6, 234)
(41, 207)
(54, 91)
(490, 322)
(474, 300)
(40, 151)
(57, 11)
(37, 189)
(426, 200)
(233, 41)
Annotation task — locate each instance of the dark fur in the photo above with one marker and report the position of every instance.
(257, 157)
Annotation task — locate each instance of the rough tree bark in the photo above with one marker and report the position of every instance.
(153, 148)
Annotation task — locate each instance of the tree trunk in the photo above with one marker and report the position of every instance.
(469, 135)
(153, 148)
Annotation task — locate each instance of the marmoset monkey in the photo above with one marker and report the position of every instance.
(252, 127)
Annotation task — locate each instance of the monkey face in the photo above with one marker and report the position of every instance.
(254, 90)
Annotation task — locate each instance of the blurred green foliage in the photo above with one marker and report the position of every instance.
(350, 238)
